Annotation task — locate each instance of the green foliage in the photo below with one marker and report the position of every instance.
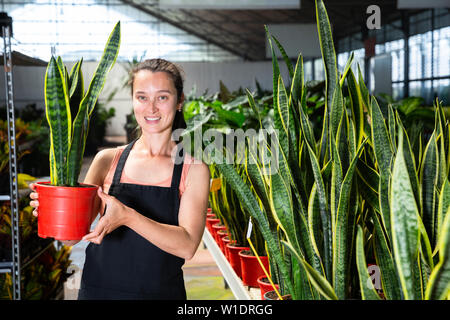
(63, 93)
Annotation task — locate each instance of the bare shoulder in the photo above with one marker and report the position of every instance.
(198, 171)
(100, 166)
(105, 157)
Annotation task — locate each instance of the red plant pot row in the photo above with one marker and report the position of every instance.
(243, 263)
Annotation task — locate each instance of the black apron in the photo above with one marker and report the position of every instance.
(126, 265)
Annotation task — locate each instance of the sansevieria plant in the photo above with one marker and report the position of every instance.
(356, 196)
(66, 207)
(64, 93)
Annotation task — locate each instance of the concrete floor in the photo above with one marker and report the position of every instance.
(203, 279)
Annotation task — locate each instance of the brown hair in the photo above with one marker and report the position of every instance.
(175, 73)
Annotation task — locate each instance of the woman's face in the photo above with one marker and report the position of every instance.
(154, 101)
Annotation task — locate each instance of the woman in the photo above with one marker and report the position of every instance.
(154, 210)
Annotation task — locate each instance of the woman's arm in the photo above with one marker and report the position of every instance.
(181, 240)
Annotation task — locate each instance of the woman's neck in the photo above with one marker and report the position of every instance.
(153, 145)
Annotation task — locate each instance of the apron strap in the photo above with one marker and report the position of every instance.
(178, 167)
(121, 163)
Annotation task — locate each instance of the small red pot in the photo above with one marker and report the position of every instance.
(216, 228)
(220, 235)
(251, 269)
(226, 240)
(64, 213)
(265, 286)
(235, 260)
(209, 223)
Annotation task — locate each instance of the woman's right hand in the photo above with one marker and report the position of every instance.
(35, 204)
(34, 199)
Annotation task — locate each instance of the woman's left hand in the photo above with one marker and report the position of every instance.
(114, 217)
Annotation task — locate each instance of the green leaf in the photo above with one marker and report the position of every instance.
(81, 122)
(385, 261)
(58, 116)
(439, 282)
(429, 177)
(365, 282)
(319, 282)
(404, 224)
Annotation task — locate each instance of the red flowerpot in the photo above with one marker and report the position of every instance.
(220, 235)
(251, 269)
(265, 285)
(216, 227)
(226, 240)
(235, 260)
(210, 222)
(65, 213)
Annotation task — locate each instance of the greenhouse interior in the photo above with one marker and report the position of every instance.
(225, 150)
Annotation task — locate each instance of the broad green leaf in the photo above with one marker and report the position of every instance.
(404, 224)
(57, 110)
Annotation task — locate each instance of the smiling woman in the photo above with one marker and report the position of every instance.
(153, 208)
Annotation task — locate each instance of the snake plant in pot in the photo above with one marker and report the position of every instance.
(65, 205)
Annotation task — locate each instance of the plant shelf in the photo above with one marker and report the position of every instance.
(240, 291)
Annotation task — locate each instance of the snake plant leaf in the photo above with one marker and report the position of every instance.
(404, 224)
(365, 283)
(297, 86)
(81, 122)
(385, 261)
(76, 85)
(58, 116)
(331, 72)
(337, 111)
(347, 69)
(392, 128)
(319, 282)
(286, 59)
(282, 117)
(410, 164)
(356, 105)
(275, 68)
(429, 177)
(315, 235)
(439, 282)
(342, 233)
(325, 215)
(307, 130)
(383, 154)
(251, 102)
(364, 91)
(249, 201)
(443, 206)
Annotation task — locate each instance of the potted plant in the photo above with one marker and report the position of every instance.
(65, 205)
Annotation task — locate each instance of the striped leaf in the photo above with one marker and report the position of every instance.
(319, 282)
(429, 178)
(365, 282)
(57, 110)
(81, 122)
(343, 232)
(404, 224)
(385, 261)
(439, 282)
(248, 200)
(356, 105)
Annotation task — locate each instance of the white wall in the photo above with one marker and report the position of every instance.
(29, 83)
